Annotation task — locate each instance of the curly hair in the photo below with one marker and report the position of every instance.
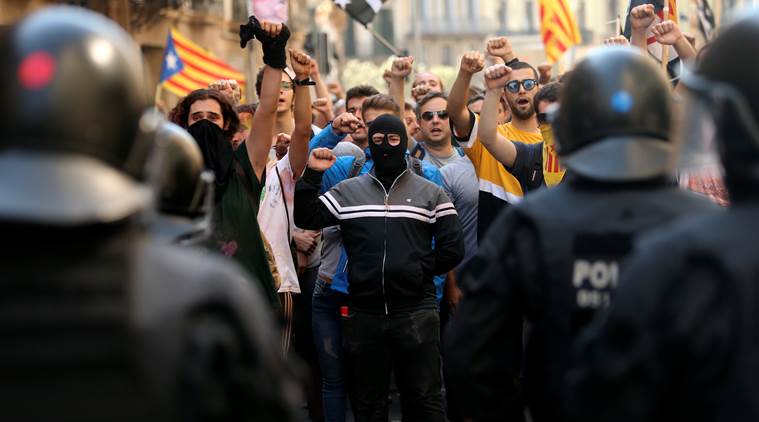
(180, 114)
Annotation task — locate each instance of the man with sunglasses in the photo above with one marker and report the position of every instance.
(554, 260)
(679, 341)
(533, 165)
(497, 187)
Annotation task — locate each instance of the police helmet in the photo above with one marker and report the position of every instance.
(72, 95)
(614, 120)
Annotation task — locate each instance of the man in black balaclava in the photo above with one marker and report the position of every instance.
(388, 143)
(392, 322)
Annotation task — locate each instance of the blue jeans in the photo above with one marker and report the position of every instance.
(325, 320)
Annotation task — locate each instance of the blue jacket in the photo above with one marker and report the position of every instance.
(339, 172)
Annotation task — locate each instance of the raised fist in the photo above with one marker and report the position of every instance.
(472, 62)
(544, 70)
(501, 47)
(314, 70)
(402, 67)
(229, 88)
(345, 123)
(321, 159)
(667, 33)
(642, 17)
(301, 64)
(419, 91)
(497, 76)
(618, 40)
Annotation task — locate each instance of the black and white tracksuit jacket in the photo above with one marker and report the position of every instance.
(388, 236)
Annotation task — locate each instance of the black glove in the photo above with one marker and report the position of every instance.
(273, 47)
(248, 31)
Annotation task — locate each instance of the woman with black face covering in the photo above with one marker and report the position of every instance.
(240, 174)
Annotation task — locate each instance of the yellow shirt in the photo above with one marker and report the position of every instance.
(497, 186)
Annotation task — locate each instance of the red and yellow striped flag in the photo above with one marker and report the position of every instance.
(558, 27)
(187, 67)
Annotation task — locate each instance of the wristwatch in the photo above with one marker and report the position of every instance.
(303, 82)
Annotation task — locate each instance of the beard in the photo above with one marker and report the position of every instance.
(520, 113)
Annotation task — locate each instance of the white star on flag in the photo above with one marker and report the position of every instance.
(342, 3)
(171, 61)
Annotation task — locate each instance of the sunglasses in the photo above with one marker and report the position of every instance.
(287, 86)
(528, 84)
(429, 115)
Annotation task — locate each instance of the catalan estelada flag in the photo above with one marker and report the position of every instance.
(187, 67)
(558, 27)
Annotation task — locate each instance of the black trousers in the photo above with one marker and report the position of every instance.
(407, 344)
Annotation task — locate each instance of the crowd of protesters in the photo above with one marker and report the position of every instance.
(356, 214)
(381, 229)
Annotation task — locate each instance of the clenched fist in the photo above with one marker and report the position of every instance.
(667, 33)
(497, 76)
(345, 124)
(321, 159)
(301, 64)
(501, 47)
(472, 62)
(618, 40)
(642, 17)
(419, 91)
(402, 67)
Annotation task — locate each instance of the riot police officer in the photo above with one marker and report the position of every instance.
(680, 339)
(554, 259)
(97, 321)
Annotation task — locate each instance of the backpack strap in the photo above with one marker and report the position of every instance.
(416, 165)
(418, 151)
(358, 164)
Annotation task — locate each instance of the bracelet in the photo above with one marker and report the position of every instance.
(304, 82)
(513, 61)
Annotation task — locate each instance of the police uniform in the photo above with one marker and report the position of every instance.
(679, 341)
(97, 321)
(554, 259)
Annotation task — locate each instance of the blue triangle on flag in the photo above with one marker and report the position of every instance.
(172, 63)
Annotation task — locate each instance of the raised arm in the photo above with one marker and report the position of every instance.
(503, 150)
(343, 125)
(310, 212)
(298, 153)
(500, 50)
(471, 63)
(668, 33)
(641, 17)
(273, 37)
(400, 70)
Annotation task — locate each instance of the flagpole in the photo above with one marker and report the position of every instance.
(382, 40)
(665, 48)
(157, 94)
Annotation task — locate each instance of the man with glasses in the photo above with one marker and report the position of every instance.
(533, 165)
(497, 187)
(555, 259)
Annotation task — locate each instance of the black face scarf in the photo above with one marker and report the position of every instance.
(216, 147)
(389, 161)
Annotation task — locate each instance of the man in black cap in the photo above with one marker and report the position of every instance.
(97, 320)
(388, 219)
(679, 341)
(555, 258)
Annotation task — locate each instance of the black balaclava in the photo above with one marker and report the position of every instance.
(389, 161)
(216, 147)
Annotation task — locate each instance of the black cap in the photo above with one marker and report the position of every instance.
(614, 120)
